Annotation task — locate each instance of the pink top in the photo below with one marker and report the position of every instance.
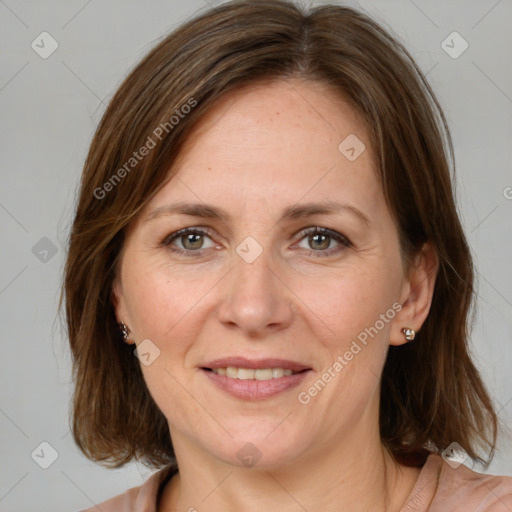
(439, 488)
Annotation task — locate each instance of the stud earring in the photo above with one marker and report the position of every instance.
(409, 333)
(125, 332)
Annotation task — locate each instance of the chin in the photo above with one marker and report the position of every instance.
(261, 448)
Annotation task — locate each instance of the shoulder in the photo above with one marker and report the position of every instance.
(459, 488)
(142, 498)
(484, 493)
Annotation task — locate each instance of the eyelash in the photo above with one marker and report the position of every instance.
(338, 237)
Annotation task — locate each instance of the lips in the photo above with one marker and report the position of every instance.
(255, 364)
(247, 379)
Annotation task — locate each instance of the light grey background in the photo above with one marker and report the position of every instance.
(49, 110)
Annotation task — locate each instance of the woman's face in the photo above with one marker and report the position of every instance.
(254, 288)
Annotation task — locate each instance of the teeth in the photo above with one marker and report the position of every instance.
(263, 374)
(231, 372)
(245, 374)
(251, 374)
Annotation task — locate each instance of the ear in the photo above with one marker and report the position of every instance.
(117, 298)
(416, 294)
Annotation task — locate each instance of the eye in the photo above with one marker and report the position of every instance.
(189, 240)
(320, 241)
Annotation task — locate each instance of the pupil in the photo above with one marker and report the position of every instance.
(191, 241)
(323, 239)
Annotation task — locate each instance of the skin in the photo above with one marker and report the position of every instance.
(260, 150)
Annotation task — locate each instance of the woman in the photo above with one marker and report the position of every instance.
(266, 220)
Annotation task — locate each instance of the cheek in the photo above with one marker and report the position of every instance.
(356, 309)
(158, 300)
(344, 303)
(165, 309)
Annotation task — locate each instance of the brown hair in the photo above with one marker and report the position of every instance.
(431, 392)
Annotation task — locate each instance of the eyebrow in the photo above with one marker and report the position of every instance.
(297, 211)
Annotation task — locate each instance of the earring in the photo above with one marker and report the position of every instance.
(125, 331)
(409, 333)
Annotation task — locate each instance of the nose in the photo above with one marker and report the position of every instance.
(255, 298)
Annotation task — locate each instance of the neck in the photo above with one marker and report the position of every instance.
(337, 478)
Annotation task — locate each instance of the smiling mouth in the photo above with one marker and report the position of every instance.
(253, 374)
(255, 379)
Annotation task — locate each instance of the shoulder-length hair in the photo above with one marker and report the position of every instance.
(431, 392)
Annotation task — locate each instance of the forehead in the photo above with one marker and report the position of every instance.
(275, 142)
